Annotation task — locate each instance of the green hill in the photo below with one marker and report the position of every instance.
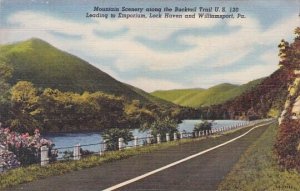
(205, 97)
(45, 66)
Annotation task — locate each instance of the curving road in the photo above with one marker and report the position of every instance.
(203, 172)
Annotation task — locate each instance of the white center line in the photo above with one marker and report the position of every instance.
(178, 162)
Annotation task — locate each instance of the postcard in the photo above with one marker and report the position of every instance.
(149, 95)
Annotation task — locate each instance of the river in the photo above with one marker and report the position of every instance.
(70, 139)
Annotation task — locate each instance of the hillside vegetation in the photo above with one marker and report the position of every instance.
(205, 97)
(46, 88)
(45, 66)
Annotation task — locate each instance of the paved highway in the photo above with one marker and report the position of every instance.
(203, 172)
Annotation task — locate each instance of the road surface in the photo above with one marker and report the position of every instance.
(203, 172)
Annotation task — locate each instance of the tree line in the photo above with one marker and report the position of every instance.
(23, 108)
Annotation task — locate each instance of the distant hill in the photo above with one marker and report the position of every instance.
(45, 66)
(205, 97)
(266, 99)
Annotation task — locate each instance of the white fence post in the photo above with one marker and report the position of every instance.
(76, 152)
(175, 136)
(181, 135)
(148, 139)
(103, 147)
(195, 134)
(158, 139)
(136, 141)
(167, 137)
(121, 143)
(44, 155)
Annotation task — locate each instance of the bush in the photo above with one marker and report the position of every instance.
(112, 137)
(162, 127)
(26, 148)
(287, 144)
(205, 126)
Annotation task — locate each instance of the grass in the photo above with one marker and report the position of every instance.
(205, 97)
(257, 168)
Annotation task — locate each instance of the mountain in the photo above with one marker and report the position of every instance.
(205, 97)
(266, 99)
(45, 66)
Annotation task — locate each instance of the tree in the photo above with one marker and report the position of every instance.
(24, 107)
(5, 75)
(205, 126)
(111, 136)
(162, 127)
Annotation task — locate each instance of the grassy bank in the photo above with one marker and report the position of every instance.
(257, 168)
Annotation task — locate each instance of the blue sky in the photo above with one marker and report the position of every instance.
(157, 54)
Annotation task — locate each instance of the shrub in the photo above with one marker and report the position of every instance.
(112, 137)
(162, 127)
(26, 148)
(287, 144)
(205, 126)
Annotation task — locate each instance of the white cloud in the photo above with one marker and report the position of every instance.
(151, 85)
(129, 54)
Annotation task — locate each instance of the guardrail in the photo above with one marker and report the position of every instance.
(77, 151)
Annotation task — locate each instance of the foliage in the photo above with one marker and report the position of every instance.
(66, 111)
(162, 127)
(111, 136)
(203, 126)
(25, 147)
(24, 107)
(287, 144)
(57, 111)
(5, 75)
(257, 168)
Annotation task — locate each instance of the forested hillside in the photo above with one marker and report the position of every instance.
(205, 97)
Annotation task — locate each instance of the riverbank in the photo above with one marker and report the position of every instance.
(257, 169)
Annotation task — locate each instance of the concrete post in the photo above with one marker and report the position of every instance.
(136, 141)
(167, 137)
(103, 147)
(175, 136)
(148, 139)
(181, 135)
(158, 138)
(44, 156)
(76, 152)
(121, 143)
(199, 133)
